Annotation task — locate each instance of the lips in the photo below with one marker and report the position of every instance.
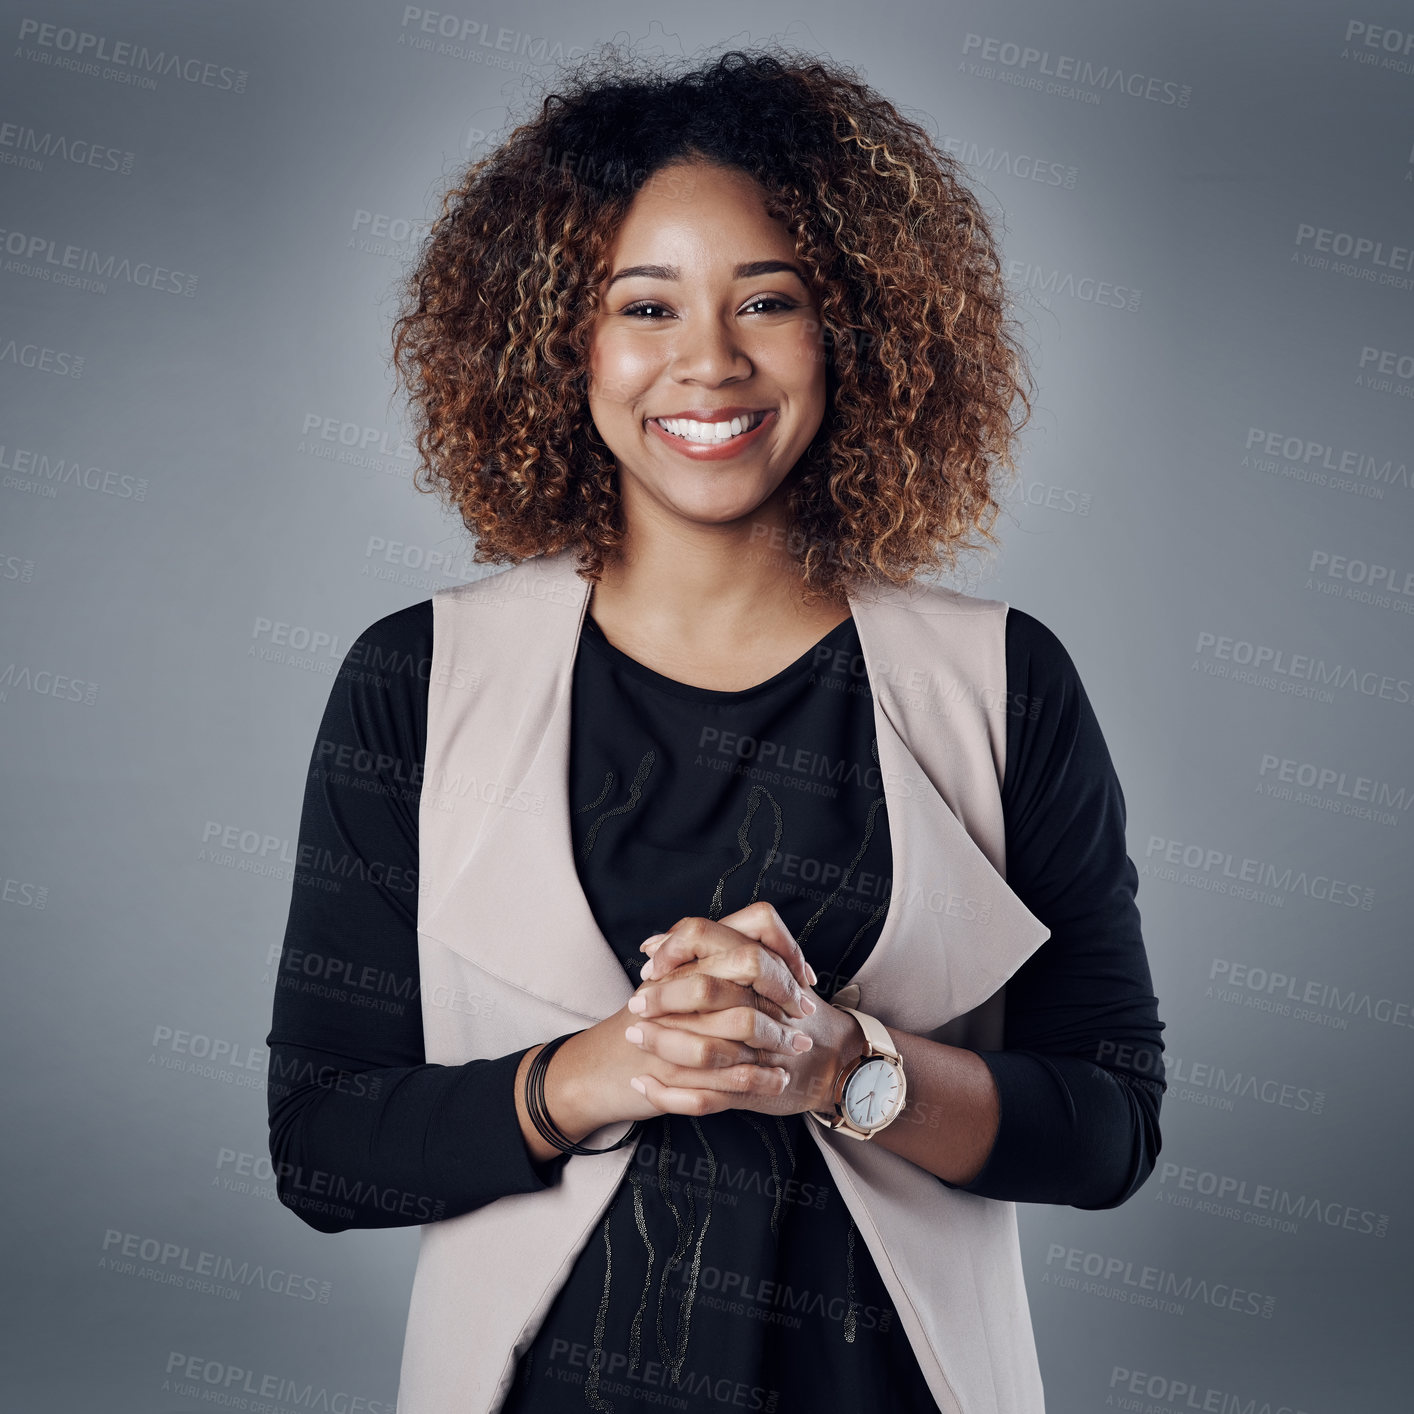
(694, 438)
(710, 431)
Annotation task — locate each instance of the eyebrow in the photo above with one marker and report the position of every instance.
(748, 271)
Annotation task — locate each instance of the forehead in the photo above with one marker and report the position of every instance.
(696, 210)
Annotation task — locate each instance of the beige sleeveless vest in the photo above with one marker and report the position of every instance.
(511, 955)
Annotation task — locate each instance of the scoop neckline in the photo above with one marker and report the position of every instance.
(673, 688)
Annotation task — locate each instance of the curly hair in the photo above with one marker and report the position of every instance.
(923, 373)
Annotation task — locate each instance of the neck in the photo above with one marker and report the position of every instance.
(686, 580)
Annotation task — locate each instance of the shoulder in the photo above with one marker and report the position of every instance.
(408, 629)
(928, 599)
(1051, 723)
(1046, 702)
(388, 664)
(1036, 655)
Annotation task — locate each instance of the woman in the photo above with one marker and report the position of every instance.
(718, 362)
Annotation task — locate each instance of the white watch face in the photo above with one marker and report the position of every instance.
(872, 1093)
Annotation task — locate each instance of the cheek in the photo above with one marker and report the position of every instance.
(800, 362)
(621, 373)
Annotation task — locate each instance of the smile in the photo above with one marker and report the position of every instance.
(712, 441)
(709, 434)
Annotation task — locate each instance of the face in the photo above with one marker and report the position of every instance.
(705, 315)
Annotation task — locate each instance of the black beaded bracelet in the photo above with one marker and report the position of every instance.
(546, 1127)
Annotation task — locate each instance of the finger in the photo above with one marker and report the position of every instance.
(761, 921)
(684, 1100)
(745, 997)
(700, 938)
(735, 1036)
(687, 939)
(758, 921)
(692, 1050)
(748, 964)
(690, 989)
(757, 1023)
(696, 937)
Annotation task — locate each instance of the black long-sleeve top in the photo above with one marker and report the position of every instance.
(365, 1133)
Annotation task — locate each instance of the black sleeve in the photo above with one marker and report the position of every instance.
(1081, 1075)
(363, 1132)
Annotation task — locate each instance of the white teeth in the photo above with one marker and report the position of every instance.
(709, 432)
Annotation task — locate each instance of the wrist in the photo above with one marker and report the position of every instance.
(575, 1093)
(565, 1092)
(560, 1096)
(844, 1044)
(541, 1152)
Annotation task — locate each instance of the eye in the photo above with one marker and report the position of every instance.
(771, 299)
(641, 307)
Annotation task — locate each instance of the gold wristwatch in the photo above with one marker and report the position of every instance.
(869, 1091)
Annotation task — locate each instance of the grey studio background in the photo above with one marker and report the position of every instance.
(1208, 217)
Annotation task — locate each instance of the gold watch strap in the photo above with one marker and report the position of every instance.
(876, 1034)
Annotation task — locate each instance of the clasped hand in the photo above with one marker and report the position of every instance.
(728, 1010)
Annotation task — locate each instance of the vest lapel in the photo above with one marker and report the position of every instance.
(954, 931)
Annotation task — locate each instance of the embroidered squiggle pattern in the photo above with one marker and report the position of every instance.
(674, 1361)
(635, 794)
(596, 1358)
(874, 807)
(744, 844)
(636, 1330)
(602, 796)
(775, 1169)
(849, 1322)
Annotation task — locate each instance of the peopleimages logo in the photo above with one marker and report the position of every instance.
(233, 1386)
(45, 360)
(42, 257)
(1334, 789)
(1346, 464)
(1224, 870)
(1365, 581)
(1264, 1204)
(79, 50)
(1268, 664)
(23, 146)
(1387, 370)
(1121, 1279)
(1379, 46)
(1132, 1389)
(1303, 999)
(1071, 76)
(1215, 1086)
(1358, 257)
(1021, 165)
(457, 37)
(1041, 281)
(123, 1250)
(41, 472)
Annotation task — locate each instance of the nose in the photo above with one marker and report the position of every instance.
(708, 351)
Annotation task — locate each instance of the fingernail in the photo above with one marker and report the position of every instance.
(638, 1004)
(801, 1041)
(806, 1005)
(656, 938)
(634, 1034)
(810, 972)
(647, 970)
(639, 1086)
